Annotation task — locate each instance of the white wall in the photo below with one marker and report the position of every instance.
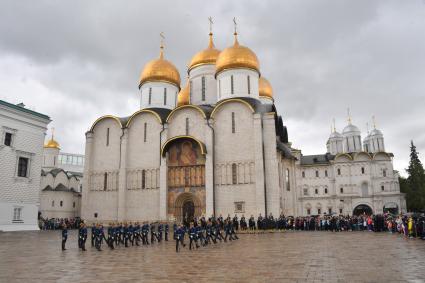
(157, 95)
(240, 84)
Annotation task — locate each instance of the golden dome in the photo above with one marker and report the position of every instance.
(204, 57)
(237, 56)
(265, 88)
(160, 70)
(183, 98)
(52, 144)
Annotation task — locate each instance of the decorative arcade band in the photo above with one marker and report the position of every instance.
(204, 232)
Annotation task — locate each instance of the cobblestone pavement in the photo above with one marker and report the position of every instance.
(276, 257)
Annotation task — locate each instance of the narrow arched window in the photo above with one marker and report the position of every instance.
(249, 84)
(231, 85)
(187, 126)
(107, 137)
(165, 96)
(288, 186)
(203, 88)
(150, 95)
(145, 126)
(105, 181)
(234, 174)
(339, 171)
(233, 123)
(143, 179)
(61, 203)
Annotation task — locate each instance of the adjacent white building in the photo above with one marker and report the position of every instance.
(22, 133)
(218, 146)
(61, 182)
(349, 179)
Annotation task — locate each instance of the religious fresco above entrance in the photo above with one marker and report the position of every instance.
(186, 175)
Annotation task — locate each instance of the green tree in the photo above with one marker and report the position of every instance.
(414, 185)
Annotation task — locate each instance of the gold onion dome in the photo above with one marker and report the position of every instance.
(52, 144)
(183, 98)
(206, 56)
(265, 88)
(160, 70)
(237, 56)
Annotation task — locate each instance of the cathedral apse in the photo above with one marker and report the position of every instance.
(186, 180)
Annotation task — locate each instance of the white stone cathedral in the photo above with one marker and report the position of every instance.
(218, 146)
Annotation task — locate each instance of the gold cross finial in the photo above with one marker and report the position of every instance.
(211, 23)
(349, 115)
(161, 52)
(234, 22)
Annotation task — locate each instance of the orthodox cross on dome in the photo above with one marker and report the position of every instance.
(211, 23)
(236, 31)
(53, 132)
(374, 122)
(349, 116)
(161, 52)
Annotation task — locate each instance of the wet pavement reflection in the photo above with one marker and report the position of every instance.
(279, 257)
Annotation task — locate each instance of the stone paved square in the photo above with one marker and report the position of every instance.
(275, 257)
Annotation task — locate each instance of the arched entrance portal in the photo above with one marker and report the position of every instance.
(185, 178)
(362, 209)
(187, 206)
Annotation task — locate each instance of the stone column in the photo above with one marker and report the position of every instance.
(122, 179)
(163, 186)
(259, 169)
(271, 164)
(86, 176)
(209, 170)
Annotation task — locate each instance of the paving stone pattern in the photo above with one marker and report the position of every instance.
(274, 257)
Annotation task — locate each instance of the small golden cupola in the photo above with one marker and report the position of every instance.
(183, 97)
(52, 143)
(235, 57)
(265, 88)
(160, 70)
(207, 56)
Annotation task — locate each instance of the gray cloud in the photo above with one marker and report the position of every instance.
(78, 60)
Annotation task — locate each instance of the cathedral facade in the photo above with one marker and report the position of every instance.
(215, 146)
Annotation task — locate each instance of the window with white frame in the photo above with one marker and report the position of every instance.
(17, 214)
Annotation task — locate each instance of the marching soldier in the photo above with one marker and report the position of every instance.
(160, 230)
(167, 228)
(82, 237)
(179, 237)
(192, 237)
(110, 240)
(64, 236)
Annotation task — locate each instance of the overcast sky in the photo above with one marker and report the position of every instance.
(78, 60)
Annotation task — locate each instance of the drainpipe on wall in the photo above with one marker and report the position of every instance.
(264, 170)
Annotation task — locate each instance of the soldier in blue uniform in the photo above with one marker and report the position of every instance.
(110, 240)
(83, 236)
(153, 232)
(179, 235)
(209, 233)
(160, 230)
(227, 230)
(136, 233)
(93, 233)
(145, 233)
(64, 236)
(192, 237)
(167, 228)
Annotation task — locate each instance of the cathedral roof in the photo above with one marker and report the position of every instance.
(285, 150)
(317, 159)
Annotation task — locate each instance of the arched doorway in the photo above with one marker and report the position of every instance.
(391, 207)
(186, 207)
(362, 209)
(185, 178)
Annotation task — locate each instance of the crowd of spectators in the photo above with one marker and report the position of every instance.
(58, 223)
(410, 225)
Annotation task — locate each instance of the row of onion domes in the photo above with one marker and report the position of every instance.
(233, 57)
